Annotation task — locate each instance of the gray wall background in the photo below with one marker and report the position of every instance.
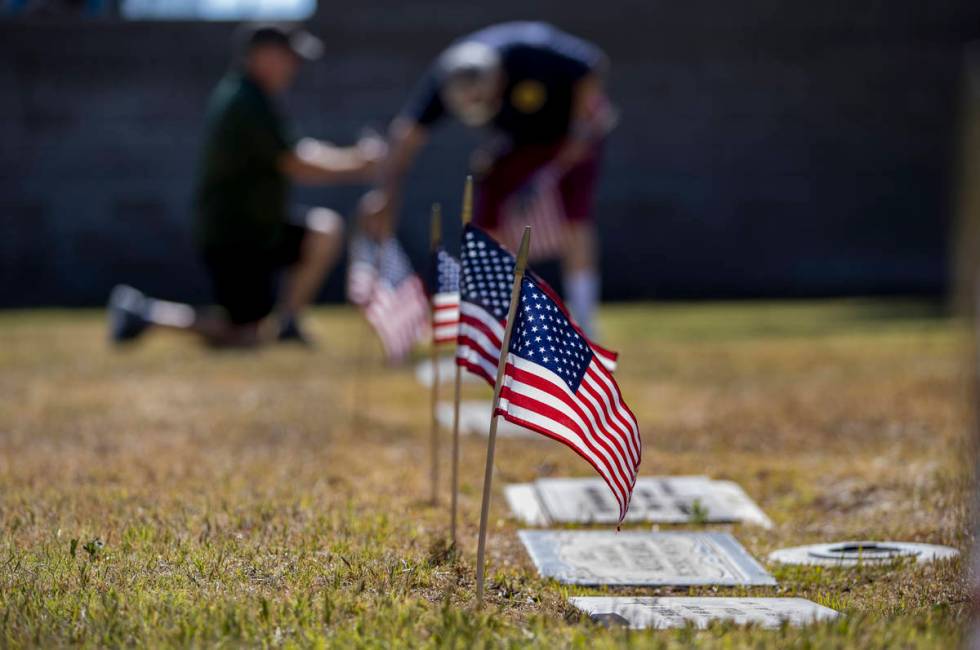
(766, 148)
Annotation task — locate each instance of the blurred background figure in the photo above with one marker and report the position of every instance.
(247, 232)
(540, 92)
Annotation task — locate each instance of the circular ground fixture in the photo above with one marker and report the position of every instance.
(864, 552)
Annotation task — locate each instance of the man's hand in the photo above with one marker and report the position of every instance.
(375, 216)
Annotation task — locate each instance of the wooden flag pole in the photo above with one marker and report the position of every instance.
(466, 215)
(515, 294)
(435, 231)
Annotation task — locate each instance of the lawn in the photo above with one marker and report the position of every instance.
(166, 495)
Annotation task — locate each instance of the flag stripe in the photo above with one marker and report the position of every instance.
(473, 334)
(621, 409)
(475, 313)
(607, 416)
(528, 379)
(445, 335)
(445, 300)
(476, 364)
(530, 418)
(446, 316)
(471, 350)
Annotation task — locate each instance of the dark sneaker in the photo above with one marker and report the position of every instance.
(290, 332)
(127, 307)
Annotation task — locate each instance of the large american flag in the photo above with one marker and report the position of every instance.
(485, 287)
(554, 384)
(381, 281)
(444, 287)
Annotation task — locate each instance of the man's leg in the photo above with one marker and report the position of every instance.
(131, 313)
(580, 274)
(319, 250)
(580, 261)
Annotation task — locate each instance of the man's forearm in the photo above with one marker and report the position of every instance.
(320, 163)
(406, 138)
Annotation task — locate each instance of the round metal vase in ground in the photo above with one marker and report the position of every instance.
(865, 552)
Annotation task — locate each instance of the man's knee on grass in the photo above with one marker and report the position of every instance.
(324, 235)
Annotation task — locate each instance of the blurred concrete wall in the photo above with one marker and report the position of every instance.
(767, 147)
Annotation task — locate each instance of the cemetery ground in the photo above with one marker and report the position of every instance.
(166, 495)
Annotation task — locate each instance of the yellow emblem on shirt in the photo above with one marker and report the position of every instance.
(528, 96)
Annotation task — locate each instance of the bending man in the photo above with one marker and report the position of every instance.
(540, 92)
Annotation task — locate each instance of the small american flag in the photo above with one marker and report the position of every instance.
(554, 384)
(381, 281)
(445, 297)
(540, 207)
(485, 287)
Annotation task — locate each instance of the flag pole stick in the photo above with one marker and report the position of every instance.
(466, 215)
(435, 227)
(492, 438)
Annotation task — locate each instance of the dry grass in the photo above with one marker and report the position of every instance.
(241, 502)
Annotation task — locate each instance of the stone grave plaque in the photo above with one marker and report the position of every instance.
(853, 553)
(447, 372)
(524, 504)
(662, 613)
(664, 499)
(747, 510)
(474, 417)
(590, 557)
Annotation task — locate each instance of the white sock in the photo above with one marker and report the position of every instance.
(170, 314)
(582, 291)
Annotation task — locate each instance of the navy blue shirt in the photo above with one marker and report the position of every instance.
(541, 63)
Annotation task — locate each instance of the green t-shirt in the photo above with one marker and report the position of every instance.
(241, 197)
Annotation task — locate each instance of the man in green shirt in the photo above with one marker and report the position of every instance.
(246, 230)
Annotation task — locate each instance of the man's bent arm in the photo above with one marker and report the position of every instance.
(317, 163)
(591, 120)
(379, 208)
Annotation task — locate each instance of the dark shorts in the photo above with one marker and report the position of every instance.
(510, 171)
(245, 282)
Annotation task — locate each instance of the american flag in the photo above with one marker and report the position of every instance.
(485, 287)
(554, 384)
(381, 281)
(540, 207)
(444, 288)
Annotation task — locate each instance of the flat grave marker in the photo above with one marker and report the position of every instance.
(656, 499)
(589, 557)
(643, 613)
(474, 417)
(447, 372)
